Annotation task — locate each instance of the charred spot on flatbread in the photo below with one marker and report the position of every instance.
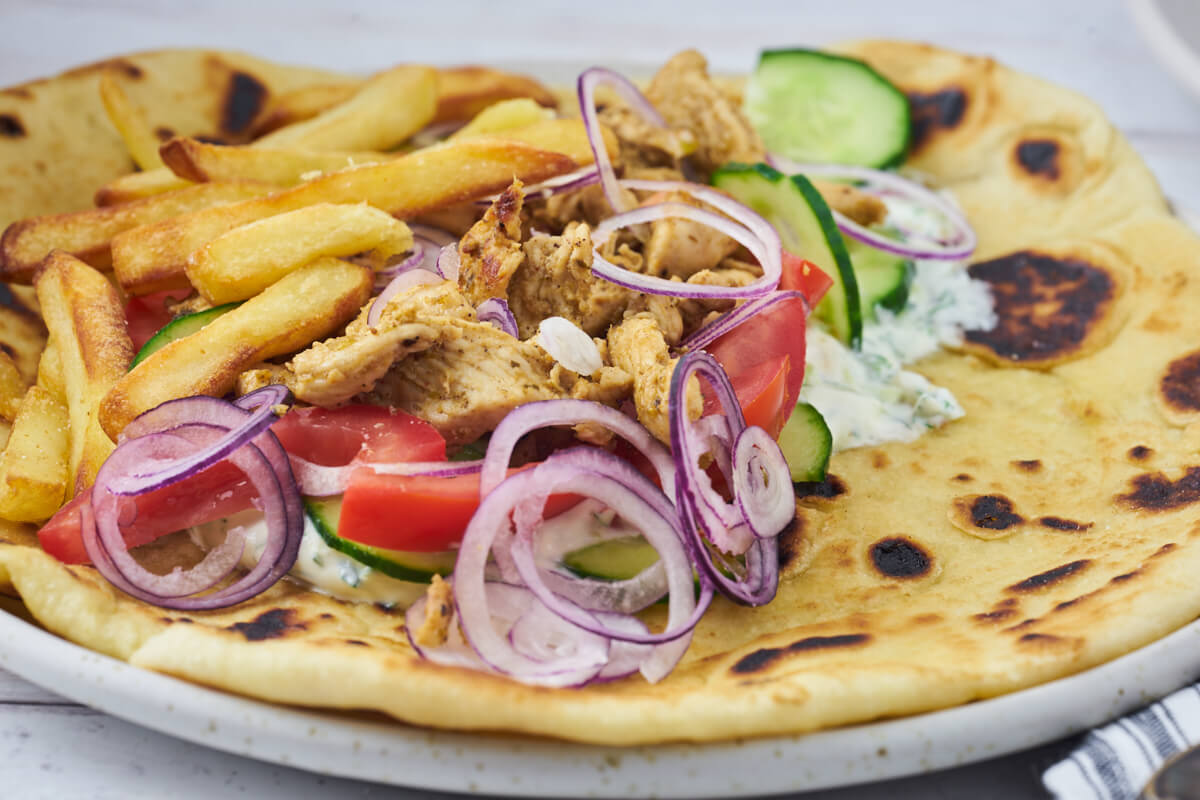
(933, 112)
(986, 516)
(11, 127)
(794, 544)
(1038, 157)
(1179, 389)
(761, 659)
(1028, 465)
(1139, 452)
(1063, 524)
(273, 624)
(1154, 491)
(901, 558)
(830, 488)
(1050, 577)
(244, 100)
(1049, 308)
(963, 477)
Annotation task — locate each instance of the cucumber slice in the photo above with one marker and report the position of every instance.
(612, 560)
(806, 444)
(883, 278)
(402, 565)
(178, 328)
(796, 209)
(813, 106)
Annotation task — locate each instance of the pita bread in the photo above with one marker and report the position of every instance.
(1055, 527)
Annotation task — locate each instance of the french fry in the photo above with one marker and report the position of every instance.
(389, 108)
(300, 308)
(566, 136)
(86, 234)
(304, 103)
(12, 387)
(199, 161)
(33, 465)
(465, 91)
(87, 328)
(49, 373)
(503, 116)
(153, 257)
(138, 186)
(130, 122)
(247, 260)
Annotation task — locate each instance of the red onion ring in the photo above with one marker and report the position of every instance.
(725, 323)
(448, 263)
(241, 425)
(496, 311)
(589, 79)
(402, 282)
(961, 244)
(560, 184)
(703, 511)
(278, 496)
(317, 480)
(415, 259)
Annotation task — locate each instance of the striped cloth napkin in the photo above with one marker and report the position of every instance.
(1114, 762)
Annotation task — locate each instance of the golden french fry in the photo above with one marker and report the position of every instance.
(5, 432)
(304, 103)
(87, 234)
(503, 116)
(12, 387)
(247, 260)
(33, 465)
(154, 257)
(130, 122)
(300, 308)
(138, 186)
(87, 328)
(49, 373)
(566, 136)
(22, 336)
(465, 91)
(389, 108)
(199, 161)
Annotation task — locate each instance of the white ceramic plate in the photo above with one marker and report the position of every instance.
(372, 748)
(1172, 29)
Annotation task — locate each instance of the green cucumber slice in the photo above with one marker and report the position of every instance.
(612, 560)
(806, 443)
(805, 224)
(402, 565)
(883, 278)
(178, 328)
(813, 106)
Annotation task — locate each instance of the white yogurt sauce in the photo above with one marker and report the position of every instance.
(867, 397)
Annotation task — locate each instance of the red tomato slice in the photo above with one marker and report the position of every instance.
(216, 492)
(417, 513)
(147, 315)
(753, 355)
(334, 437)
(804, 277)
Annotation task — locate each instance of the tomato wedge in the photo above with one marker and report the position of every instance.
(804, 277)
(333, 437)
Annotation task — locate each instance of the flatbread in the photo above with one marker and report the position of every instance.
(1055, 527)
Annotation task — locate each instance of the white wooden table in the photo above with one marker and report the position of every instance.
(50, 747)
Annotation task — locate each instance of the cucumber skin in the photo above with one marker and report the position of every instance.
(901, 153)
(173, 330)
(807, 466)
(869, 264)
(370, 556)
(842, 270)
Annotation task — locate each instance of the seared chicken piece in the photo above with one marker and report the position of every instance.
(665, 313)
(556, 280)
(439, 612)
(637, 347)
(643, 143)
(490, 252)
(863, 208)
(687, 98)
(681, 247)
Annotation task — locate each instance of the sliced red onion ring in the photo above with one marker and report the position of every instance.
(560, 184)
(414, 261)
(746, 227)
(725, 323)
(317, 480)
(241, 426)
(402, 282)
(961, 243)
(547, 413)
(448, 263)
(589, 79)
(496, 311)
(705, 515)
(278, 498)
(767, 502)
